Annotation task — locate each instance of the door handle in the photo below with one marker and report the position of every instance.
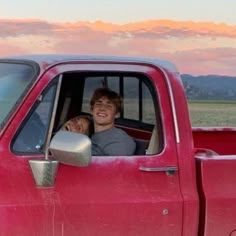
(170, 170)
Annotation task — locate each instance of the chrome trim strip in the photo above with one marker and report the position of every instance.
(53, 117)
(170, 170)
(158, 169)
(172, 107)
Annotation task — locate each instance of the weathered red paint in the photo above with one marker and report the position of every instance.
(112, 196)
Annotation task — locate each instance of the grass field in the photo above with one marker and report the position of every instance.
(202, 113)
(213, 113)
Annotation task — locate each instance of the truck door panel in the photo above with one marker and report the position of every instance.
(112, 196)
(217, 177)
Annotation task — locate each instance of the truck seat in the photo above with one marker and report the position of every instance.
(144, 147)
(141, 146)
(153, 143)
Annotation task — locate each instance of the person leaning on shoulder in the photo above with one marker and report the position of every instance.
(80, 124)
(107, 140)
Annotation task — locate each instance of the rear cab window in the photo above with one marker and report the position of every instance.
(140, 113)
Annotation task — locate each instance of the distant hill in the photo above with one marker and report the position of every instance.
(207, 87)
(212, 87)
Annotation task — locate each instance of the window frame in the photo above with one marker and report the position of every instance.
(54, 82)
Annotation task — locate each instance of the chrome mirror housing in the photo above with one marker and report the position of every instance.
(44, 172)
(71, 148)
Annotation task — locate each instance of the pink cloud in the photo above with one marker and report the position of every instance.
(172, 40)
(219, 61)
(17, 27)
(7, 50)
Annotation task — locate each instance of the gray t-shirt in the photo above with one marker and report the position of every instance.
(112, 142)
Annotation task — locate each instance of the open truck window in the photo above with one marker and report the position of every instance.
(140, 116)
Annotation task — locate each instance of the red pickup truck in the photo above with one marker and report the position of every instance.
(180, 181)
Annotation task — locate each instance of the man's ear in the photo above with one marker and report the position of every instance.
(117, 115)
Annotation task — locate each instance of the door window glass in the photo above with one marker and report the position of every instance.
(148, 106)
(91, 84)
(32, 135)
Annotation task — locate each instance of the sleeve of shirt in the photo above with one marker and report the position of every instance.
(96, 150)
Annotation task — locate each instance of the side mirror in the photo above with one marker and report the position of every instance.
(71, 148)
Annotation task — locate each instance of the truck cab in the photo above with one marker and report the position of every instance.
(49, 178)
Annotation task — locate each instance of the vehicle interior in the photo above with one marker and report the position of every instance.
(140, 116)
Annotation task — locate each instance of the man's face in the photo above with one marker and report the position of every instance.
(104, 112)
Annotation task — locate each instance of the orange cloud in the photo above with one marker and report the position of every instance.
(195, 47)
(163, 28)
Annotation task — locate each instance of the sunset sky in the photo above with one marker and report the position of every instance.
(198, 36)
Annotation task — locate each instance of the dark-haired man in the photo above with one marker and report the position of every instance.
(108, 140)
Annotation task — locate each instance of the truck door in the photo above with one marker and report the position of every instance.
(131, 195)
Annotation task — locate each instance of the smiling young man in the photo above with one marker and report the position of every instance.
(108, 140)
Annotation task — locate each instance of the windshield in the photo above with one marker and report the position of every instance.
(15, 78)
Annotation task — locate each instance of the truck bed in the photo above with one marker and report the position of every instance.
(220, 140)
(216, 178)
